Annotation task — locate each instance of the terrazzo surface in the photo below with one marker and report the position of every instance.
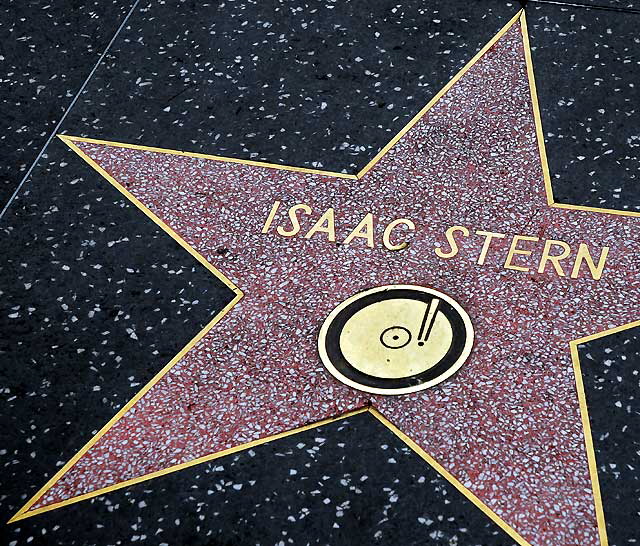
(47, 52)
(524, 452)
(138, 297)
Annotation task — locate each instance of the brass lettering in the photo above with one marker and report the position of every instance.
(364, 230)
(453, 245)
(295, 223)
(386, 237)
(515, 250)
(272, 214)
(584, 255)
(319, 227)
(554, 259)
(554, 252)
(488, 236)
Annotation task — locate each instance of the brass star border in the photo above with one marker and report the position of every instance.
(24, 512)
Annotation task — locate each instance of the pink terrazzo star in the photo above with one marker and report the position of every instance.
(508, 424)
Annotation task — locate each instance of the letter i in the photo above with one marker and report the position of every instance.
(272, 214)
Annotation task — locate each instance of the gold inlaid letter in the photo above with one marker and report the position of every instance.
(272, 214)
(515, 250)
(295, 223)
(453, 245)
(584, 255)
(386, 237)
(330, 229)
(488, 236)
(364, 230)
(554, 259)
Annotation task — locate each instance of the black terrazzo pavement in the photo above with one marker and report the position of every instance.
(611, 374)
(587, 63)
(616, 5)
(312, 86)
(349, 482)
(95, 299)
(322, 85)
(47, 50)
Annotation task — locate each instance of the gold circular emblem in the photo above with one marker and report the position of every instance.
(395, 339)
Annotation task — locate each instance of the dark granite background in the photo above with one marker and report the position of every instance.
(350, 482)
(47, 50)
(94, 298)
(611, 5)
(326, 85)
(611, 374)
(587, 63)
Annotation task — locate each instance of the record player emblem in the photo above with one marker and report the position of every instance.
(395, 339)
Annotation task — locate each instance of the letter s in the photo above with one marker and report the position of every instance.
(295, 223)
(452, 241)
